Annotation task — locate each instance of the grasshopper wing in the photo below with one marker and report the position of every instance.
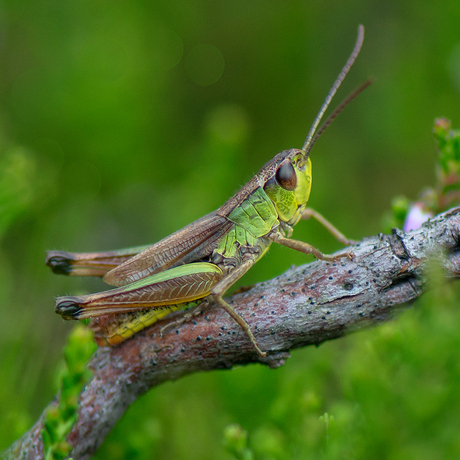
(170, 287)
(189, 244)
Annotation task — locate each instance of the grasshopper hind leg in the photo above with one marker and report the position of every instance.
(241, 322)
(216, 297)
(221, 287)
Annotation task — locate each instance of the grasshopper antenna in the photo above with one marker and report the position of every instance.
(337, 110)
(310, 140)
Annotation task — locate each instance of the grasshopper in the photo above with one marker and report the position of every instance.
(205, 258)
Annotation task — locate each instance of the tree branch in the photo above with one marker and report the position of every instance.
(306, 305)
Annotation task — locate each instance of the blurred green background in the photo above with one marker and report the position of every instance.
(121, 122)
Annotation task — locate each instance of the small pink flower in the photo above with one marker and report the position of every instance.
(416, 216)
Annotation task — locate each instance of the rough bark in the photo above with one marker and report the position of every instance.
(306, 305)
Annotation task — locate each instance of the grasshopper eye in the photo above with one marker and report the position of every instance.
(286, 176)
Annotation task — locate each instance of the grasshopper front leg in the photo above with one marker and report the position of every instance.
(335, 232)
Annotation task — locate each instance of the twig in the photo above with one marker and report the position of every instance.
(306, 305)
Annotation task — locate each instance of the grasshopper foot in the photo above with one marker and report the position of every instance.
(350, 255)
(336, 258)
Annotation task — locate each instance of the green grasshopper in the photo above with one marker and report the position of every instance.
(205, 258)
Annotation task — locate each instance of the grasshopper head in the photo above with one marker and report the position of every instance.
(290, 184)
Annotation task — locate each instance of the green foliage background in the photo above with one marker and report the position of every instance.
(122, 121)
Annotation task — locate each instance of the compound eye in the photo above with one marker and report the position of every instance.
(286, 176)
